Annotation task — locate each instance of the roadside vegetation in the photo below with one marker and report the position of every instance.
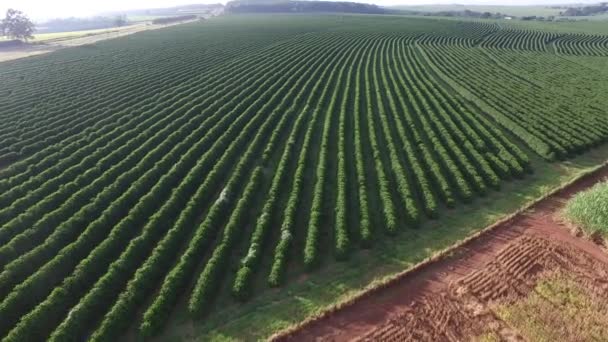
(589, 211)
(561, 308)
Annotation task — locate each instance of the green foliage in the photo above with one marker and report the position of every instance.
(589, 210)
(16, 25)
(142, 171)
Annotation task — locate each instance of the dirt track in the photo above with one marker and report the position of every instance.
(449, 299)
(26, 50)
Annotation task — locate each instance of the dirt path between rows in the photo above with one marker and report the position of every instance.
(424, 305)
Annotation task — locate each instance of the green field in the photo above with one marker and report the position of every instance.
(589, 211)
(591, 27)
(44, 37)
(57, 36)
(224, 179)
(518, 11)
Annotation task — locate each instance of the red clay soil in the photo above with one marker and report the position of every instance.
(444, 300)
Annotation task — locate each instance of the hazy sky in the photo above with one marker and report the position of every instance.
(44, 9)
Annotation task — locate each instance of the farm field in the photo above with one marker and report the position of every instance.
(42, 37)
(224, 179)
(527, 278)
(48, 42)
(519, 11)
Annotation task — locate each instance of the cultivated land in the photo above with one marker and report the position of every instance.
(519, 11)
(225, 179)
(526, 278)
(49, 42)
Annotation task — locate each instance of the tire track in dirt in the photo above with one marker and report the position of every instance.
(447, 299)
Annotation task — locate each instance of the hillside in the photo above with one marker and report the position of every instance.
(588, 10)
(517, 11)
(294, 6)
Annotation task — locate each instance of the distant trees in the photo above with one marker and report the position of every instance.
(282, 6)
(466, 13)
(457, 13)
(81, 24)
(169, 20)
(585, 10)
(16, 25)
(120, 20)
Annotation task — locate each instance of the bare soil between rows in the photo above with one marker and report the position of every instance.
(449, 299)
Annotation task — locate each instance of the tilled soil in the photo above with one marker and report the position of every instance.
(452, 299)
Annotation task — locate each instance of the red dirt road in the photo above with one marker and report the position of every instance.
(518, 248)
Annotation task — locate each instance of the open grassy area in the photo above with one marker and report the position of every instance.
(589, 210)
(42, 37)
(559, 309)
(307, 295)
